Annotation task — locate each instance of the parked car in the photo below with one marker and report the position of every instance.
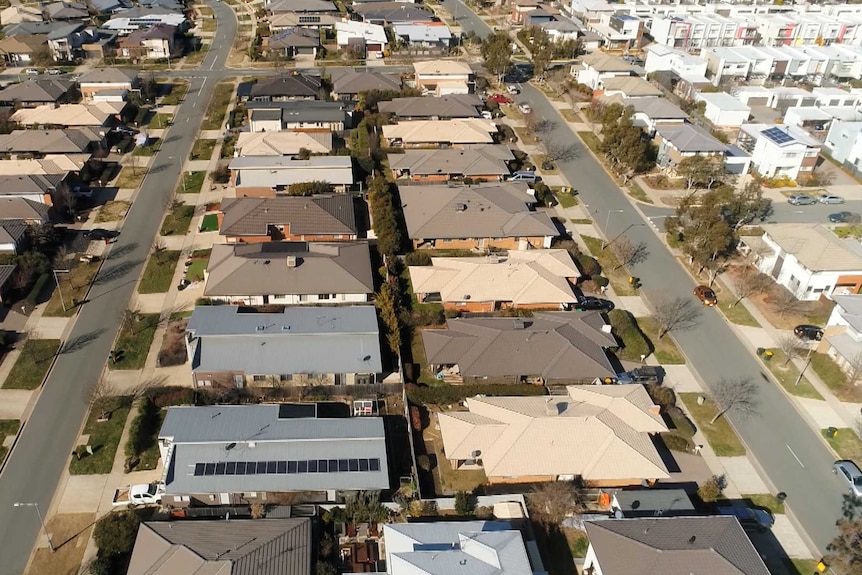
(645, 374)
(590, 303)
(801, 200)
(486, 114)
(31, 72)
(101, 234)
(850, 474)
(523, 176)
(751, 518)
(500, 99)
(512, 89)
(830, 199)
(844, 218)
(141, 494)
(53, 71)
(809, 332)
(525, 108)
(705, 295)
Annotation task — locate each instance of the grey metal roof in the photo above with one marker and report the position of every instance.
(453, 106)
(280, 6)
(35, 28)
(690, 138)
(262, 115)
(39, 90)
(259, 269)
(295, 37)
(483, 160)
(336, 339)
(272, 171)
(290, 86)
(656, 108)
(556, 345)
(303, 110)
(654, 502)
(850, 308)
(245, 547)
(354, 82)
(66, 141)
(674, 546)
(108, 76)
(22, 209)
(6, 271)
(492, 211)
(392, 12)
(66, 11)
(319, 215)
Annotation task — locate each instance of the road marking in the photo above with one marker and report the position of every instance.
(796, 457)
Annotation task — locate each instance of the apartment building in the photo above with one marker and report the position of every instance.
(619, 31)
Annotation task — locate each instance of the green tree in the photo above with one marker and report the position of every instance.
(541, 51)
(303, 154)
(497, 52)
(624, 145)
(465, 504)
(309, 188)
(700, 170)
(115, 532)
(845, 551)
(386, 227)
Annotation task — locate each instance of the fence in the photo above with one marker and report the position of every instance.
(322, 392)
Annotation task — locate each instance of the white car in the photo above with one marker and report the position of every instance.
(512, 89)
(830, 199)
(487, 115)
(525, 108)
(31, 72)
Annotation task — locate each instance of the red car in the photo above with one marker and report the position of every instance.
(500, 99)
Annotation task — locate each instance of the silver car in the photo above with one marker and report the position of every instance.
(830, 199)
(801, 200)
(850, 475)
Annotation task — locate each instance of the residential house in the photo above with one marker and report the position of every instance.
(540, 16)
(198, 470)
(808, 259)
(39, 143)
(24, 210)
(310, 14)
(361, 38)
(723, 110)
(292, 42)
(544, 438)
(431, 108)
(20, 50)
(710, 544)
(814, 120)
(599, 67)
(424, 35)
(520, 8)
(110, 6)
(443, 77)
(98, 80)
(531, 279)
(754, 96)
(387, 13)
(562, 30)
(41, 29)
(32, 93)
(650, 113)
(349, 85)
(92, 114)
(235, 546)
(780, 150)
(154, 43)
(286, 87)
(476, 163)
(282, 143)
(302, 345)
(37, 188)
(290, 218)
(434, 133)
(619, 31)
(635, 503)
(436, 548)
(630, 87)
(7, 274)
(662, 58)
(290, 273)
(141, 17)
(844, 143)
(67, 43)
(475, 217)
(312, 116)
(13, 236)
(20, 13)
(269, 176)
(49, 165)
(842, 340)
(677, 142)
(833, 96)
(65, 11)
(790, 97)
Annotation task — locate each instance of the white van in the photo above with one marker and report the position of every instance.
(523, 176)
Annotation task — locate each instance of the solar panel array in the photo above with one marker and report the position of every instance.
(778, 136)
(286, 467)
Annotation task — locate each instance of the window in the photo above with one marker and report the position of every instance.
(238, 379)
(324, 296)
(303, 297)
(279, 296)
(258, 378)
(285, 377)
(364, 379)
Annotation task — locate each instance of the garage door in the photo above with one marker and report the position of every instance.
(758, 101)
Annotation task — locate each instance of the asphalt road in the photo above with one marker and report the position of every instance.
(46, 443)
(783, 213)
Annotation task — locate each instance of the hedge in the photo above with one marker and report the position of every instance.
(37, 288)
(676, 442)
(625, 327)
(448, 394)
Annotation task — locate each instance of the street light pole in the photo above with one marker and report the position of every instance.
(57, 281)
(607, 223)
(41, 521)
(804, 367)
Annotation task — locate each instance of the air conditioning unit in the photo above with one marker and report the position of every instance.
(291, 261)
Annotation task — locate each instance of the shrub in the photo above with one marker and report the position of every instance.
(168, 396)
(173, 354)
(415, 418)
(600, 281)
(681, 424)
(418, 258)
(626, 329)
(465, 504)
(589, 266)
(449, 394)
(309, 188)
(426, 315)
(712, 489)
(424, 463)
(115, 532)
(144, 429)
(676, 442)
(221, 175)
(662, 396)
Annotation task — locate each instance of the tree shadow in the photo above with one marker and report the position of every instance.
(122, 250)
(116, 272)
(80, 342)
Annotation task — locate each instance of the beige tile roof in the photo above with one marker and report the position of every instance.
(521, 277)
(51, 164)
(456, 131)
(278, 143)
(607, 63)
(816, 247)
(631, 86)
(442, 67)
(89, 114)
(584, 434)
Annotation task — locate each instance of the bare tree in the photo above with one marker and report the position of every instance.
(737, 395)
(785, 302)
(748, 283)
(630, 254)
(536, 124)
(99, 395)
(677, 313)
(854, 368)
(791, 346)
(554, 501)
(556, 151)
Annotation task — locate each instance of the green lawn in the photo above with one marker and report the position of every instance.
(567, 200)
(720, 435)
(149, 149)
(592, 142)
(619, 278)
(178, 220)
(176, 95)
(209, 223)
(217, 108)
(191, 182)
(637, 193)
(202, 149)
(787, 374)
(160, 121)
(159, 272)
(766, 501)
(7, 427)
(200, 259)
(834, 378)
(104, 439)
(418, 350)
(133, 343)
(73, 286)
(32, 365)
(846, 444)
(664, 349)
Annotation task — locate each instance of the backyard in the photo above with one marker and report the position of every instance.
(159, 271)
(32, 364)
(104, 437)
(720, 434)
(134, 340)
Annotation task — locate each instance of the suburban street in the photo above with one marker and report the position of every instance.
(44, 449)
(783, 213)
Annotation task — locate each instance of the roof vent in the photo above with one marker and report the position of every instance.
(519, 324)
(460, 207)
(692, 539)
(266, 262)
(260, 327)
(285, 328)
(292, 261)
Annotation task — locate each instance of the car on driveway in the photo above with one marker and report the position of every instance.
(525, 108)
(590, 303)
(644, 374)
(750, 518)
(801, 200)
(101, 234)
(844, 218)
(705, 295)
(512, 89)
(849, 473)
(500, 99)
(808, 332)
(830, 199)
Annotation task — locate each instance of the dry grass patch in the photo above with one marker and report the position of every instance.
(69, 533)
(569, 115)
(73, 286)
(113, 211)
(720, 434)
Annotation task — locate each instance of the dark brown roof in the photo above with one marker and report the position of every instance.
(286, 86)
(710, 545)
(322, 215)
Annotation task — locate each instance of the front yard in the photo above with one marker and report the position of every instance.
(618, 276)
(834, 378)
(720, 434)
(199, 260)
(788, 374)
(32, 365)
(150, 148)
(130, 177)
(178, 220)
(113, 211)
(159, 272)
(104, 438)
(202, 149)
(134, 341)
(73, 287)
